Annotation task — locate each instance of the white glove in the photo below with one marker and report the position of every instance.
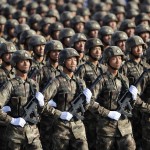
(6, 109)
(114, 115)
(87, 94)
(66, 116)
(18, 122)
(133, 90)
(40, 97)
(52, 103)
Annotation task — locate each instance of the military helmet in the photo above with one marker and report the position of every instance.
(2, 40)
(98, 16)
(119, 3)
(132, 5)
(66, 32)
(11, 23)
(36, 40)
(21, 4)
(65, 16)
(48, 2)
(100, 7)
(134, 41)
(141, 28)
(141, 17)
(53, 13)
(77, 19)
(53, 45)
(70, 7)
(108, 18)
(77, 37)
(112, 51)
(20, 28)
(25, 35)
(131, 13)
(7, 47)
(35, 18)
(92, 25)
(32, 5)
(126, 24)
(92, 42)
(105, 30)
(44, 21)
(57, 26)
(9, 10)
(20, 55)
(67, 53)
(118, 9)
(2, 20)
(83, 11)
(42, 8)
(118, 36)
(18, 14)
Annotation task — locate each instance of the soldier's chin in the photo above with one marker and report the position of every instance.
(138, 56)
(24, 71)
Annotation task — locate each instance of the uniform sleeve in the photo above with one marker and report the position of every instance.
(5, 93)
(49, 94)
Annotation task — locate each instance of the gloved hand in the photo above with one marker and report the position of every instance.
(66, 116)
(6, 109)
(52, 103)
(114, 115)
(40, 97)
(133, 90)
(18, 122)
(88, 95)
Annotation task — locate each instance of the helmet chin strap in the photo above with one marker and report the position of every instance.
(112, 67)
(139, 56)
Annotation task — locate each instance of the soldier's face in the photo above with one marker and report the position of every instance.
(23, 65)
(107, 39)
(79, 46)
(54, 55)
(130, 32)
(113, 24)
(96, 52)
(7, 57)
(93, 34)
(71, 63)
(79, 27)
(122, 45)
(145, 36)
(137, 51)
(115, 62)
(39, 50)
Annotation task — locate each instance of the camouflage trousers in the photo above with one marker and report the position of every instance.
(90, 127)
(115, 143)
(26, 138)
(146, 133)
(2, 137)
(46, 131)
(69, 136)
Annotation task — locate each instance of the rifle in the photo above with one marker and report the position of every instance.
(30, 112)
(78, 103)
(125, 107)
(32, 73)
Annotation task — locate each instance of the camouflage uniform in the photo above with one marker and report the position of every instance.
(5, 75)
(69, 135)
(109, 90)
(133, 70)
(89, 72)
(45, 75)
(16, 93)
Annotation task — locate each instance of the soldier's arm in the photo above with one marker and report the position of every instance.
(49, 94)
(80, 72)
(5, 94)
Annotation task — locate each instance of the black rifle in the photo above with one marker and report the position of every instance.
(30, 110)
(125, 106)
(32, 72)
(77, 105)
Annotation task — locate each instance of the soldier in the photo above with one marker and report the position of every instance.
(37, 44)
(6, 73)
(119, 39)
(128, 26)
(65, 35)
(42, 10)
(17, 93)
(89, 71)
(77, 42)
(63, 89)
(85, 13)
(53, 15)
(132, 69)
(91, 29)
(78, 23)
(54, 30)
(2, 26)
(113, 130)
(105, 34)
(31, 8)
(45, 75)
